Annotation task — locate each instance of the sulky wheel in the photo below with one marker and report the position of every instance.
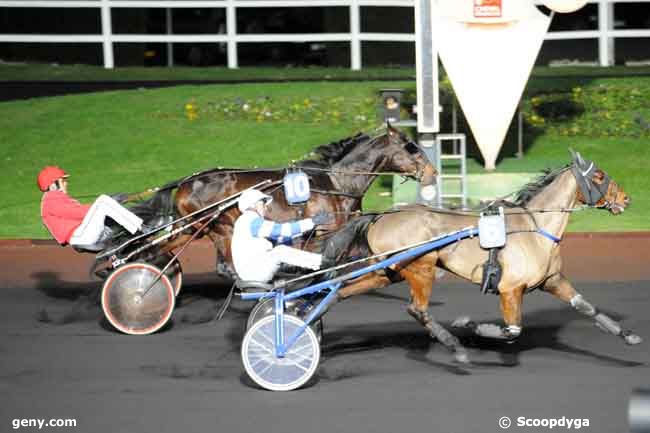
(296, 307)
(174, 273)
(126, 306)
(280, 374)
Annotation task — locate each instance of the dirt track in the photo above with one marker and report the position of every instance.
(380, 371)
(587, 257)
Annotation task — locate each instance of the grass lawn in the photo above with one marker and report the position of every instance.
(133, 140)
(48, 72)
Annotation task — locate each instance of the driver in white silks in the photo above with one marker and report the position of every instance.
(254, 256)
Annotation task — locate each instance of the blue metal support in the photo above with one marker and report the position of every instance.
(335, 284)
(312, 316)
(279, 323)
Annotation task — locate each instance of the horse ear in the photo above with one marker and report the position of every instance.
(573, 153)
(576, 157)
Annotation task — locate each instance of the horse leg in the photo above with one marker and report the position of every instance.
(220, 237)
(559, 286)
(420, 275)
(363, 285)
(510, 300)
(221, 264)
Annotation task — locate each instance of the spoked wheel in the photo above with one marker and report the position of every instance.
(128, 308)
(297, 307)
(174, 273)
(280, 374)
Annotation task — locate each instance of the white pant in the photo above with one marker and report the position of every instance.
(264, 266)
(91, 227)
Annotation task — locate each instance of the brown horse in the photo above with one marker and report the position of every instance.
(530, 259)
(339, 177)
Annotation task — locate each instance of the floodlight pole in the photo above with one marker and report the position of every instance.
(169, 27)
(428, 108)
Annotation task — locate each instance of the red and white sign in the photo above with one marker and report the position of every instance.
(487, 8)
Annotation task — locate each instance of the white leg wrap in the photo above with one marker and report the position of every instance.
(582, 306)
(490, 330)
(513, 330)
(608, 324)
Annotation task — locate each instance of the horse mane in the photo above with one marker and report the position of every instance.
(327, 155)
(531, 189)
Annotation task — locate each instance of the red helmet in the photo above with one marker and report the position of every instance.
(49, 175)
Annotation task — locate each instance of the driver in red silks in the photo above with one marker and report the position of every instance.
(71, 222)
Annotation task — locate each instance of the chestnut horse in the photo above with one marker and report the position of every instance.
(530, 259)
(339, 177)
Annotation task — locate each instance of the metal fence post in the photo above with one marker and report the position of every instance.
(605, 24)
(107, 32)
(355, 30)
(231, 31)
(170, 30)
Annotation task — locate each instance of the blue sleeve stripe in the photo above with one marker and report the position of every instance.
(276, 232)
(266, 229)
(256, 225)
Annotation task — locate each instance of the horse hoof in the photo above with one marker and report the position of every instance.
(461, 322)
(632, 339)
(461, 356)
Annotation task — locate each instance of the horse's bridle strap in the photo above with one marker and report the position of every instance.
(591, 191)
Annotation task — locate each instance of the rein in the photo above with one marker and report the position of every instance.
(356, 173)
(524, 211)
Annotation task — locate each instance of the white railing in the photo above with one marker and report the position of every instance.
(605, 34)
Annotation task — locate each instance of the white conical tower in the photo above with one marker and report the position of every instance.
(488, 48)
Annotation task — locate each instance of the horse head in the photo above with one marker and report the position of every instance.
(405, 156)
(596, 188)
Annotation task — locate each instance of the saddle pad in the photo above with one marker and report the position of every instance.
(492, 230)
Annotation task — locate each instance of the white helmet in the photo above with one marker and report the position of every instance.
(250, 197)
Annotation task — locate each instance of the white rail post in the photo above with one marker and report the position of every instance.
(355, 30)
(170, 30)
(107, 32)
(605, 24)
(231, 29)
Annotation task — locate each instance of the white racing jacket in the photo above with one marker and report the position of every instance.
(251, 245)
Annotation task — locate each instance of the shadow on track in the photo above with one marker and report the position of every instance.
(86, 302)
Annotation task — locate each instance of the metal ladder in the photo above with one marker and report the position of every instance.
(459, 152)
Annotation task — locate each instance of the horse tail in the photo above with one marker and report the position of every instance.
(350, 241)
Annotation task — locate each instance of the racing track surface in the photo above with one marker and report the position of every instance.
(380, 371)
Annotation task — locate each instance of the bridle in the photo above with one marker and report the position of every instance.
(594, 194)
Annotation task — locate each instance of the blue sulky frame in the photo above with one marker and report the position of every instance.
(333, 285)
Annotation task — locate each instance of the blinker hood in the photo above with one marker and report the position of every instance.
(584, 170)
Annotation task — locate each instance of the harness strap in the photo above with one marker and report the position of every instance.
(548, 235)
